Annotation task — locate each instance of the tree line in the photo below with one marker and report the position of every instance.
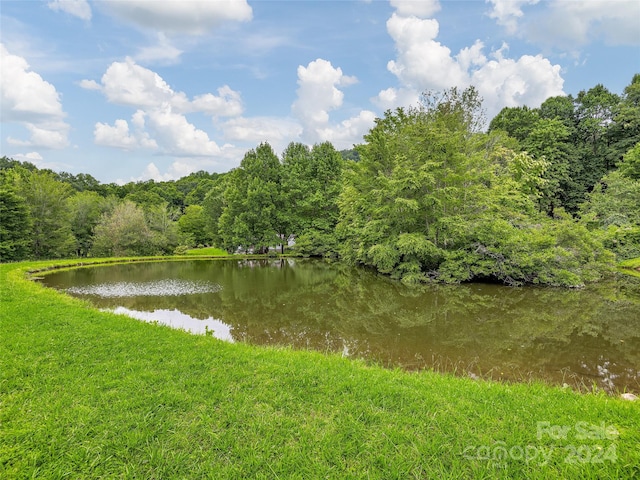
(549, 195)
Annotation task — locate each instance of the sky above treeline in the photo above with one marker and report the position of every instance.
(129, 90)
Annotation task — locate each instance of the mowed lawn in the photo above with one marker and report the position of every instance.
(90, 394)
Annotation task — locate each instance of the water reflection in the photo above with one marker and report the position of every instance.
(177, 319)
(580, 337)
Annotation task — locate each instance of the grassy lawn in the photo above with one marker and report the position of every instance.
(90, 394)
(213, 251)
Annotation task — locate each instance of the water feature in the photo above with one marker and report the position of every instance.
(582, 338)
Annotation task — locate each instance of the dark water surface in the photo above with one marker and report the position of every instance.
(580, 337)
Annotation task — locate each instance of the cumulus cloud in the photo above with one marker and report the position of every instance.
(177, 136)
(569, 25)
(277, 131)
(229, 158)
(30, 100)
(421, 8)
(505, 82)
(422, 63)
(191, 17)
(391, 98)
(508, 12)
(33, 157)
(349, 131)
(90, 85)
(162, 52)
(421, 59)
(130, 84)
(160, 120)
(77, 8)
(317, 95)
(575, 24)
(119, 135)
(226, 104)
(127, 83)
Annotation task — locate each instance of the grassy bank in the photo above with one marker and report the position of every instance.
(89, 394)
(212, 251)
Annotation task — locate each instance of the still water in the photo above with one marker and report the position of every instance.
(582, 338)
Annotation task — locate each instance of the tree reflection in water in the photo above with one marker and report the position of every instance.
(580, 337)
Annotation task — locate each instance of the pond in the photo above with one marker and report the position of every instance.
(582, 338)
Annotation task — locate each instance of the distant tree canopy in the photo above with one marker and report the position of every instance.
(546, 195)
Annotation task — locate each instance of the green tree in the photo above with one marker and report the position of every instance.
(192, 226)
(518, 122)
(630, 166)
(162, 222)
(85, 207)
(612, 212)
(624, 132)
(46, 199)
(15, 226)
(123, 232)
(550, 140)
(214, 205)
(251, 217)
(434, 198)
(311, 184)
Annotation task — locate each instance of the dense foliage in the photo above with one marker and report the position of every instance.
(547, 195)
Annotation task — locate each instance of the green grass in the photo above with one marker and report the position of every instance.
(90, 394)
(207, 251)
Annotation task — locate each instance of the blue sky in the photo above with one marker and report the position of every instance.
(148, 89)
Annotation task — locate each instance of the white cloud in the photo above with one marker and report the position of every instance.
(33, 157)
(177, 136)
(574, 24)
(505, 82)
(31, 101)
(185, 166)
(192, 17)
(77, 8)
(317, 95)
(119, 136)
(90, 85)
(422, 63)
(163, 52)
(126, 83)
(562, 24)
(151, 172)
(421, 59)
(159, 120)
(392, 98)
(508, 12)
(317, 92)
(39, 161)
(260, 129)
(227, 104)
(416, 8)
(348, 132)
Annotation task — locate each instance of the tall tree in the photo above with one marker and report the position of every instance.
(624, 133)
(311, 183)
(253, 201)
(192, 226)
(518, 122)
(46, 198)
(15, 226)
(123, 232)
(85, 207)
(433, 198)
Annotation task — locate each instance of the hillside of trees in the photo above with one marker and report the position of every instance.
(547, 195)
